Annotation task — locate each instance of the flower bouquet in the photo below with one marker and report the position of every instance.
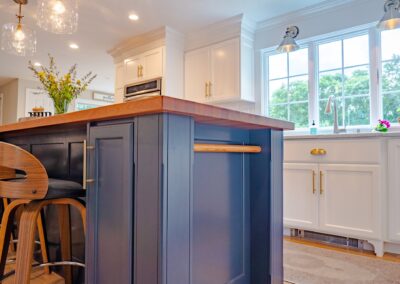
(61, 89)
(383, 125)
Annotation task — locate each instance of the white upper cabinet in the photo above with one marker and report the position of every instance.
(152, 64)
(197, 75)
(225, 73)
(214, 73)
(144, 66)
(156, 54)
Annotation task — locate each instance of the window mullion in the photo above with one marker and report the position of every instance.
(313, 113)
(375, 70)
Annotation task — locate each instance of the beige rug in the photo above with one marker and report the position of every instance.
(310, 265)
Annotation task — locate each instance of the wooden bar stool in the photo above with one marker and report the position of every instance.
(34, 190)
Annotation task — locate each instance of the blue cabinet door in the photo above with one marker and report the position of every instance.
(109, 237)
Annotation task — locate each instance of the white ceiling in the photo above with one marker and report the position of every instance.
(104, 23)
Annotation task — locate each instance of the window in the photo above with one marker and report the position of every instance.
(344, 73)
(364, 81)
(390, 83)
(288, 86)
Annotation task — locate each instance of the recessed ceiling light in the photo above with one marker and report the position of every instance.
(73, 46)
(37, 64)
(133, 17)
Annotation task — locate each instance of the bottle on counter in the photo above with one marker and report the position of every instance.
(313, 128)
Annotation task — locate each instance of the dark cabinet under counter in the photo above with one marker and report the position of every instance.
(160, 212)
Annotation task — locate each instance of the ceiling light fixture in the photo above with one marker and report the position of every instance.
(73, 46)
(58, 16)
(288, 43)
(133, 17)
(391, 18)
(16, 38)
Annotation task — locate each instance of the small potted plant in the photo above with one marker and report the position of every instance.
(383, 125)
(62, 89)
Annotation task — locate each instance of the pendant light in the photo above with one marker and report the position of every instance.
(391, 18)
(16, 38)
(58, 16)
(288, 43)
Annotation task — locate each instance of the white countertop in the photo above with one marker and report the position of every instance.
(295, 136)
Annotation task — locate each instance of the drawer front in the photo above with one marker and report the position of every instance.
(337, 151)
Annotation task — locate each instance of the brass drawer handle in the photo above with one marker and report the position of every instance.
(321, 188)
(318, 152)
(313, 182)
(90, 181)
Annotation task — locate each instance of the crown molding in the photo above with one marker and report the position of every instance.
(295, 16)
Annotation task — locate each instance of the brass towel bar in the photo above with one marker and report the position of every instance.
(221, 148)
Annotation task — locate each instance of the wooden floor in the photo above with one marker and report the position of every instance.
(354, 251)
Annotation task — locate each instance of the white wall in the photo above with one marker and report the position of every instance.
(312, 22)
(10, 101)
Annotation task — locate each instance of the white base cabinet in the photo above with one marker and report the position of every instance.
(301, 197)
(347, 198)
(394, 190)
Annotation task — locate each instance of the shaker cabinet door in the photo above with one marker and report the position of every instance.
(225, 73)
(197, 75)
(152, 66)
(300, 195)
(133, 70)
(110, 205)
(350, 201)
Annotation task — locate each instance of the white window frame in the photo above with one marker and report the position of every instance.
(375, 68)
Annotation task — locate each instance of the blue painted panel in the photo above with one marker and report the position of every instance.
(220, 228)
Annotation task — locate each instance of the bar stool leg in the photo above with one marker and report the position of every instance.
(5, 230)
(26, 238)
(64, 221)
(42, 239)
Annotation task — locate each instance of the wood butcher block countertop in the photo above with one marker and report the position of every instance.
(201, 113)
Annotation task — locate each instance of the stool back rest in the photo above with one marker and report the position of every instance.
(6, 173)
(33, 185)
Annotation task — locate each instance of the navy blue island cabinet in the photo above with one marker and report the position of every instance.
(174, 195)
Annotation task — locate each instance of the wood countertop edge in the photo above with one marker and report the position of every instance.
(202, 113)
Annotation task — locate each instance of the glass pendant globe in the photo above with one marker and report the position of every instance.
(58, 16)
(18, 39)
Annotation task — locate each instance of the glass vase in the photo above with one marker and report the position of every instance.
(61, 106)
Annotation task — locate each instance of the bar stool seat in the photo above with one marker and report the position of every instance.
(58, 188)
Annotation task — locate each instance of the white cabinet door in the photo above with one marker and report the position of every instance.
(394, 190)
(350, 200)
(300, 193)
(225, 73)
(132, 70)
(197, 74)
(119, 76)
(152, 64)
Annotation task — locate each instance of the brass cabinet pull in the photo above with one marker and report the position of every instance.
(313, 182)
(318, 152)
(141, 70)
(138, 71)
(206, 90)
(209, 89)
(90, 181)
(321, 188)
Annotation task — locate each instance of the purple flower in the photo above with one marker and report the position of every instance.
(384, 122)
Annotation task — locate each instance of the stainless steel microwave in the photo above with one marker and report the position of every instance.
(145, 88)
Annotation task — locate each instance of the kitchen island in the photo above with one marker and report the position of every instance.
(174, 195)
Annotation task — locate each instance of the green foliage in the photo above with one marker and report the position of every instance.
(61, 89)
(353, 96)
